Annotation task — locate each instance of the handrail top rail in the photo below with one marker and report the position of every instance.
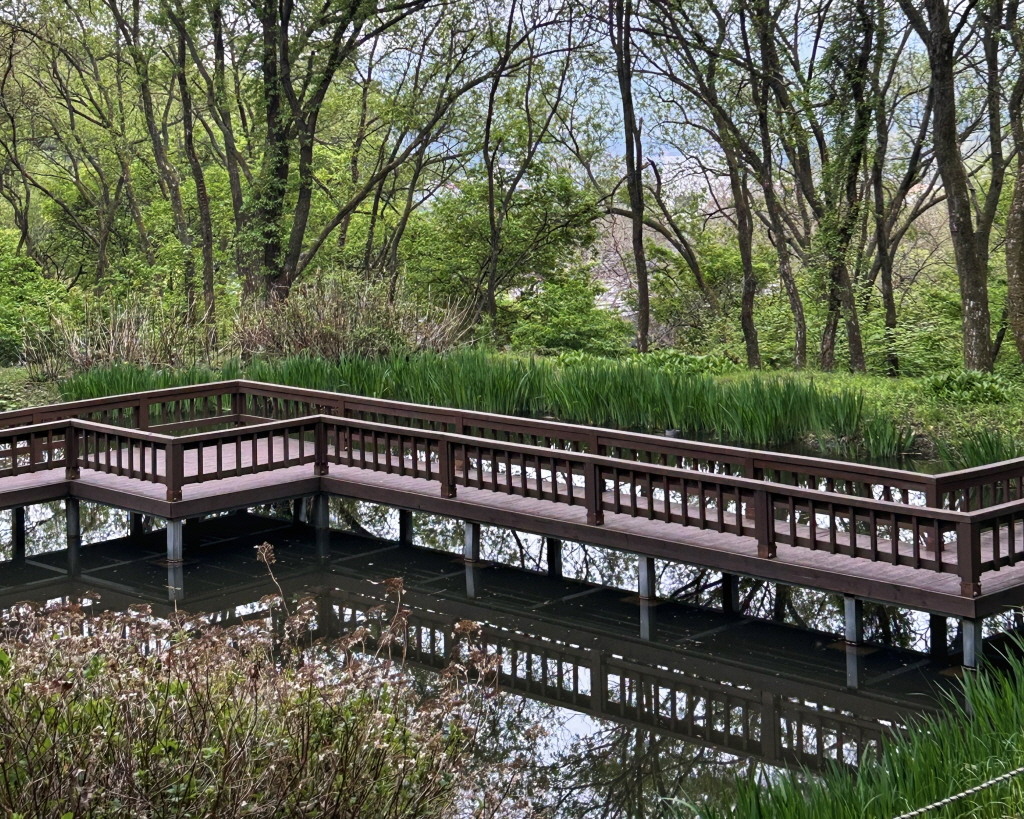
(811, 464)
(737, 482)
(750, 484)
(119, 401)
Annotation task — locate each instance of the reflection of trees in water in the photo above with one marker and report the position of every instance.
(758, 598)
(45, 529)
(623, 772)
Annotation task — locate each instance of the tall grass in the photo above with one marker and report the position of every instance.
(937, 758)
(640, 394)
(980, 447)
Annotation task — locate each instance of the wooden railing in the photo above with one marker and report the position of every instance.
(965, 522)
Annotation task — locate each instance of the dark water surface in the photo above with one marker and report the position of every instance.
(603, 722)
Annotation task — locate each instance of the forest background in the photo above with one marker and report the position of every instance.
(833, 185)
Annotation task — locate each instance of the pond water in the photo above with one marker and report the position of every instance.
(593, 720)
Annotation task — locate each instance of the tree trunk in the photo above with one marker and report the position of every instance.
(621, 37)
(970, 253)
(202, 195)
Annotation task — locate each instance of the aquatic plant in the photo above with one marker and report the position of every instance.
(642, 393)
(937, 758)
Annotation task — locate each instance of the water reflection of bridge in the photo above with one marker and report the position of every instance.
(733, 683)
(951, 545)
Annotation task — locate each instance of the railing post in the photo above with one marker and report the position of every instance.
(71, 470)
(142, 414)
(930, 537)
(764, 524)
(593, 492)
(446, 468)
(175, 469)
(238, 406)
(968, 558)
(321, 465)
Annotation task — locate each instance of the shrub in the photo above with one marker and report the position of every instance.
(563, 315)
(970, 387)
(25, 298)
(127, 715)
(345, 315)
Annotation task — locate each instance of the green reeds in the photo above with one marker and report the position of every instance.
(978, 448)
(938, 757)
(116, 379)
(646, 394)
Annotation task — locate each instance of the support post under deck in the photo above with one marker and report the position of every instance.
(730, 593)
(474, 581)
(175, 555)
(647, 579)
(647, 586)
(18, 534)
(553, 546)
(73, 524)
(405, 527)
(322, 525)
(853, 609)
(299, 513)
(135, 527)
(471, 542)
(970, 628)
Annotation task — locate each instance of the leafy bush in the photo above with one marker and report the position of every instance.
(345, 315)
(676, 361)
(127, 715)
(562, 314)
(25, 298)
(970, 387)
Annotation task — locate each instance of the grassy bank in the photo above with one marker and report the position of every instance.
(938, 758)
(858, 418)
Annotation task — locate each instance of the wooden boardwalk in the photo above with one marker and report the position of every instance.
(950, 544)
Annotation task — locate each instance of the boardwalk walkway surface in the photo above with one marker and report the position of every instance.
(949, 544)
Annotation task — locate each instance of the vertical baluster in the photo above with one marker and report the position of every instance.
(995, 544)
(667, 488)
(916, 535)
(792, 520)
(702, 504)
